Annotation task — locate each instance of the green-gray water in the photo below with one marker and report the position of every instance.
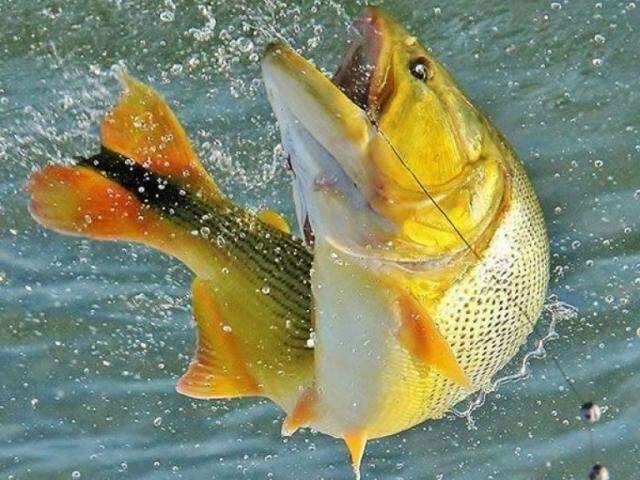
(93, 336)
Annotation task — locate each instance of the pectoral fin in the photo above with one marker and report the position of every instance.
(419, 335)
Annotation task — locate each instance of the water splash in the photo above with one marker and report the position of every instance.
(557, 311)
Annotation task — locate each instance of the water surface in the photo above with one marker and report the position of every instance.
(93, 336)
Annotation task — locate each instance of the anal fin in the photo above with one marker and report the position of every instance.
(303, 412)
(419, 334)
(218, 369)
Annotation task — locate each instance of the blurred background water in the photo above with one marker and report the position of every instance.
(93, 336)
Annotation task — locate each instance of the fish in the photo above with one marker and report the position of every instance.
(251, 293)
(431, 256)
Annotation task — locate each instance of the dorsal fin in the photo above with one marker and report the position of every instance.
(273, 218)
(143, 128)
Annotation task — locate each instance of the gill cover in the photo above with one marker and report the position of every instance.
(441, 144)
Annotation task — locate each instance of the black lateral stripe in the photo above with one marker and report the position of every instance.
(148, 187)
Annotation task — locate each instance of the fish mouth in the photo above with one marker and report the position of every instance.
(355, 76)
(333, 116)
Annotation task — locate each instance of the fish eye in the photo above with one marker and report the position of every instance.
(419, 68)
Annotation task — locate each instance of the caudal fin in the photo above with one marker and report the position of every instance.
(146, 185)
(109, 196)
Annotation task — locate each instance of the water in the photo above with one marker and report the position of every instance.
(93, 336)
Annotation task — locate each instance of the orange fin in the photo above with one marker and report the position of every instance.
(356, 443)
(420, 336)
(79, 201)
(302, 414)
(143, 128)
(274, 219)
(218, 369)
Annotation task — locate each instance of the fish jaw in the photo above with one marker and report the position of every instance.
(328, 139)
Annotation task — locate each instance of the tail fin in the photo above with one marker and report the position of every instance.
(143, 135)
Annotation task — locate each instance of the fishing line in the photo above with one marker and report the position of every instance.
(568, 381)
(586, 406)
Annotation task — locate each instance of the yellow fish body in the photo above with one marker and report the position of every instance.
(430, 250)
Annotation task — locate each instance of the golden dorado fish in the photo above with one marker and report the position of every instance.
(251, 295)
(431, 256)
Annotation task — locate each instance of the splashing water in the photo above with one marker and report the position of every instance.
(557, 312)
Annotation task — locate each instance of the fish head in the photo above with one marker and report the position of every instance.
(390, 158)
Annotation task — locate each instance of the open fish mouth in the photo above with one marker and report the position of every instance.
(355, 75)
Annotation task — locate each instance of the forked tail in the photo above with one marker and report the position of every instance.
(147, 185)
(115, 195)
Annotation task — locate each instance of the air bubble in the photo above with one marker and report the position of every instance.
(167, 16)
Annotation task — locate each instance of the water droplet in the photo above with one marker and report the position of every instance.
(167, 16)
(245, 45)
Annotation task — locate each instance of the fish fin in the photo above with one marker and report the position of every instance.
(356, 442)
(302, 414)
(274, 219)
(142, 127)
(218, 369)
(420, 336)
(79, 201)
(83, 200)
